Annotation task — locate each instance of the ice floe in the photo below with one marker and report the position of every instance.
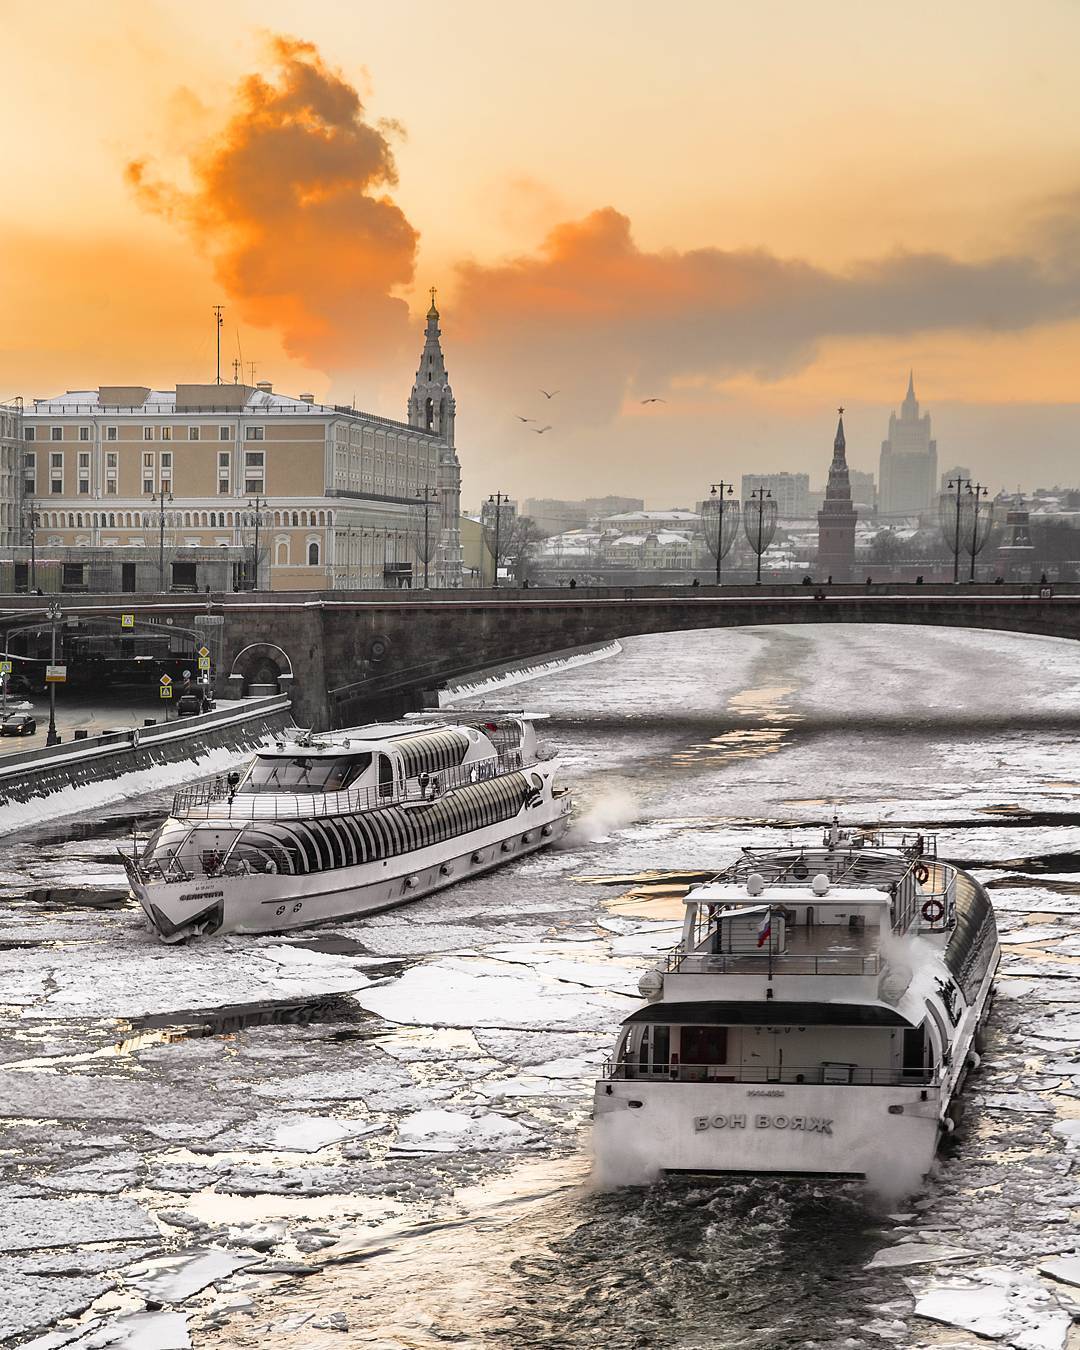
(26, 1224)
(171, 1279)
(997, 1303)
(452, 1131)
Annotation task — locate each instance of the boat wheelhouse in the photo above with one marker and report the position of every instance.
(323, 827)
(818, 1017)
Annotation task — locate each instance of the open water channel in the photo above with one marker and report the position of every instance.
(377, 1135)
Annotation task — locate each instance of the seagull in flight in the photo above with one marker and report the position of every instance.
(540, 430)
(654, 400)
(524, 419)
(547, 395)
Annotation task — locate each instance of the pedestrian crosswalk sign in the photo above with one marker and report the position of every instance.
(127, 620)
(204, 663)
(165, 691)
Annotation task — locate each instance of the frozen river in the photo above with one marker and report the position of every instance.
(377, 1135)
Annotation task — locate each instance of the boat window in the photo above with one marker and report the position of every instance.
(386, 776)
(304, 773)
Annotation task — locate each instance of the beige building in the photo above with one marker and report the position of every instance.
(327, 496)
(11, 447)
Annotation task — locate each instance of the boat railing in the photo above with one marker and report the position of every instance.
(827, 1074)
(218, 798)
(780, 963)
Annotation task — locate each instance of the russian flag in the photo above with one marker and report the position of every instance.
(764, 931)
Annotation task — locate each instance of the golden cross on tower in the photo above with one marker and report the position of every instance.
(433, 294)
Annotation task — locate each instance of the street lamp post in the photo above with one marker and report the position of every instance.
(257, 506)
(959, 484)
(54, 618)
(161, 497)
(30, 518)
(759, 497)
(426, 496)
(716, 497)
(497, 499)
(977, 491)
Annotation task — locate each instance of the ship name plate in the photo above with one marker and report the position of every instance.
(739, 1121)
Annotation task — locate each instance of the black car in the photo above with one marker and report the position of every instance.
(189, 705)
(18, 724)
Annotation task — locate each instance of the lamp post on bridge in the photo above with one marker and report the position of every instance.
(721, 509)
(162, 496)
(976, 492)
(759, 531)
(426, 497)
(951, 506)
(498, 500)
(30, 521)
(256, 506)
(51, 737)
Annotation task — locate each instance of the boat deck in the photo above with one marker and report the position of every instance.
(825, 949)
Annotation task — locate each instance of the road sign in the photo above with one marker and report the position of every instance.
(166, 680)
(127, 620)
(204, 651)
(204, 663)
(165, 691)
(55, 674)
(5, 667)
(187, 674)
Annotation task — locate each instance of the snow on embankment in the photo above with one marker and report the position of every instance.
(505, 676)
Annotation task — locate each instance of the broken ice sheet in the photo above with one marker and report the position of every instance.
(997, 1303)
(26, 1224)
(916, 1254)
(31, 1301)
(297, 1133)
(133, 1331)
(171, 1279)
(452, 1132)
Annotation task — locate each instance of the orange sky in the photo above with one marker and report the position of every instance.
(754, 212)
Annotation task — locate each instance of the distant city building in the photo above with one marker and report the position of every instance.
(554, 516)
(790, 491)
(951, 475)
(599, 508)
(11, 449)
(335, 490)
(862, 490)
(836, 519)
(644, 522)
(908, 472)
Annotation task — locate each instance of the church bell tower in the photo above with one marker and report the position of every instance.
(432, 409)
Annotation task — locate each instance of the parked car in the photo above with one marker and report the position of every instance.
(189, 705)
(18, 724)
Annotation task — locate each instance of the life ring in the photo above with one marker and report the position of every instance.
(922, 873)
(933, 910)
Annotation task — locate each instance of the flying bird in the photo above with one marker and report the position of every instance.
(540, 430)
(654, 400)
(547, 395)
(524, 419)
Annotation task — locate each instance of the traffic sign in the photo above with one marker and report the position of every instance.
(55, 674)
(166, 680)
(204, 651)
(165, 691)
(5, 667)
(187, 674)
(204, 663)
(127, 620)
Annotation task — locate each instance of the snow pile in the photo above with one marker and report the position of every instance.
(454, 1132)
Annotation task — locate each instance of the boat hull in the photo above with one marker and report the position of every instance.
(643, 1128)
(275, 903)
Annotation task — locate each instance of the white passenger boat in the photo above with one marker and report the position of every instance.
(818, 1017)
(323, 827)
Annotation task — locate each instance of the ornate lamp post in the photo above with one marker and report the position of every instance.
(498, 500)
(977, 527)
(949, 507)
(162, 496)
(30, 521)
(759, 523)
(256, 506)
(54, 618)
(426, 498)
(721, 521)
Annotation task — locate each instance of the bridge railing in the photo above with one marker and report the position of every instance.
(220, 799)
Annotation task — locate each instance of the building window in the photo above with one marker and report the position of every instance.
(84, 459)
(313, 554)
(30, 433)
(148, 485)
(224, 433)
(254, 433)
(148, 460)
(56, 433)
(222, 485)
(84, 486)
(84, 433)
(57, 485)
(254, 486)
(254, 459)
(166, 433)
(110, 487)
(56, 459)
(193, 433)
(166, 460)
(110, 433)
(148, 433)
(110, 459)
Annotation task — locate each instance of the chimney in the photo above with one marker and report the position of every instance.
(265, 386)
(307, 398)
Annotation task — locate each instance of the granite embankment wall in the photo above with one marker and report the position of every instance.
(41, 773)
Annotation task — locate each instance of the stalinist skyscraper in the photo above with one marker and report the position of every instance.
(836, 519)
(907, 480)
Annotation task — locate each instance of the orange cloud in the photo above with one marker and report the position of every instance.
(287, 202)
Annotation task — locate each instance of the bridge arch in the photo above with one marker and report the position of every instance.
(260, 668)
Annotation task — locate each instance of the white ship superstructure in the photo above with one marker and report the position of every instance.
(330, 826)
(818, 1017)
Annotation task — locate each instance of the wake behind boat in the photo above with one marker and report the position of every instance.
(329, 826)
(818, 1017)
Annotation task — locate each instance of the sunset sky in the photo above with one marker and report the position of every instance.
(755, 212)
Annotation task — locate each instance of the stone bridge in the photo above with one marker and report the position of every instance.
(350, 656)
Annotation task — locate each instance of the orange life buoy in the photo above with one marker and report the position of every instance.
(922, 873)
(933, 910)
